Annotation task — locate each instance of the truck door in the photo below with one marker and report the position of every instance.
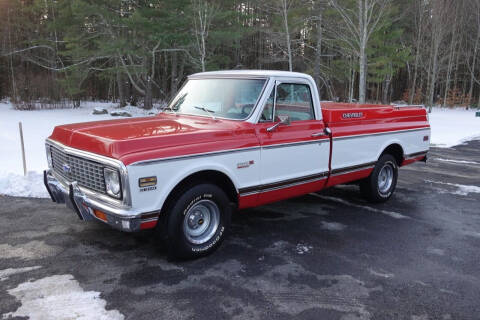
(295, 153)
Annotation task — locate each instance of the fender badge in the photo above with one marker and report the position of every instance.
(245, 164)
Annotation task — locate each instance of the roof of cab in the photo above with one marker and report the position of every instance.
(250, 73)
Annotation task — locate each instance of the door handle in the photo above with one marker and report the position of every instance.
(325, 132)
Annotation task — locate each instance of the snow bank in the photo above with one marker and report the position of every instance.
(451, 127)
(37, 126)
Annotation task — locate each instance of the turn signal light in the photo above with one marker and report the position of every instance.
(147, 182)
(100, 215)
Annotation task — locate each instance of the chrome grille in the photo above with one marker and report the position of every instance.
(88, 174)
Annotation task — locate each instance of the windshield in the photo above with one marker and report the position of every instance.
(223, 98)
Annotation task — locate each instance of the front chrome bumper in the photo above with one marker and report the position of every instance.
(86, 207)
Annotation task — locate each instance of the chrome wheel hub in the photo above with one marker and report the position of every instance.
(201, 222)
(385, 178)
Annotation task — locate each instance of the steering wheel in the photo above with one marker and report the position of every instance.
(245, 107)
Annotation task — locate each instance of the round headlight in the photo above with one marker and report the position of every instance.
(112, 182)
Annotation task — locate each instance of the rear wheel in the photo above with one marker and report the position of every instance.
(198, 221)
(381, 183)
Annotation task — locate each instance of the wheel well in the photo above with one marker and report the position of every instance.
(211, 176)
(396, 151)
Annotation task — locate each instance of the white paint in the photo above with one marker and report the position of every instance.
(172, 172)
(456, 161)
(352, 151)
(6, 273)
(392, 214)
(59, 297)
(280, 164)
(462, 189)
(28, 251)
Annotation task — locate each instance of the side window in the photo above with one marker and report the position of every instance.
(267, 114)
(295, 101)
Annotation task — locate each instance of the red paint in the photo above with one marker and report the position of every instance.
(280, 194)
(166, 135)
(148, 225)
(375, 119)
(348, 177)
(410, 161)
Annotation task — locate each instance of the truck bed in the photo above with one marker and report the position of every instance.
(336, 114)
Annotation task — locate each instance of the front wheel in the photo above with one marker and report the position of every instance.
(198, 221)
(381, 183)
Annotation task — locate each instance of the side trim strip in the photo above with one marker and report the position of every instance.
(336, 172)
(192, 156)
(416, 154)
(215, 153)
(379, 133)
(294, 144)
(282, 184)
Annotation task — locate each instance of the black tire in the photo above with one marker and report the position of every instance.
(194, 202)
(373, 188)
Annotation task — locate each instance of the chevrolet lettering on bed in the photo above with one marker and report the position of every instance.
(229, 140)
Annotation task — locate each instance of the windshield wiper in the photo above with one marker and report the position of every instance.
(208, 111)
(169, 108)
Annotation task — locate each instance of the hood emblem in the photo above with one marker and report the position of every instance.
(66, 168)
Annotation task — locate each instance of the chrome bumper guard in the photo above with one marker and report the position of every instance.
(76, 200)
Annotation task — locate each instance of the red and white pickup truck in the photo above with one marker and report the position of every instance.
(229, 140)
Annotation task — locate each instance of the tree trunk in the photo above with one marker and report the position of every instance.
(121, 88)
(433, 78)
(363, 18)
(287, 34)
(318, 52)
(472, 69)
(363, 76)
(165, 76)
(148, 103)
(174, 83)
(417, 55)
(386, 88)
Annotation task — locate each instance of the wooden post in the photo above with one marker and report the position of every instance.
(23, 149)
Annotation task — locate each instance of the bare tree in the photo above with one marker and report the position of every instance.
(282, 8)
(440, 26)
(356, 30)
(204, 12)
(419, 7)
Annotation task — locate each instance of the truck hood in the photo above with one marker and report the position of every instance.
(166, 135)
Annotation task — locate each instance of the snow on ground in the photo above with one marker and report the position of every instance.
(6, 273)
(59, 297)
(461, 189)
(37, 126)
(449, 127)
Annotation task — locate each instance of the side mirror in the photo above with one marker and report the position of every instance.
(282, 119)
